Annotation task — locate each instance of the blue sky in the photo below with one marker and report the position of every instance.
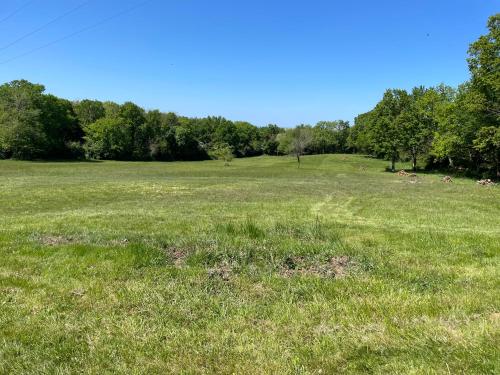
(283, 62)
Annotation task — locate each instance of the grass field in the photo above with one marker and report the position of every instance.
(258, 267)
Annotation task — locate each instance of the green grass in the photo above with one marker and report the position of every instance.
(258, 267)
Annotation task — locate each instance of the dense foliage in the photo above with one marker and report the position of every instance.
(443, 126)
(37, 125)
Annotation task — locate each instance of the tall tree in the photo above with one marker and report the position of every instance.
(268, 135)
(385, 131)
(134, 117)
(484, 65)
(89, 111)
(295, 141)
(488, 144)
(359, 139)
(418, 122)
(21, 129)
(108, 138)
(458, 121)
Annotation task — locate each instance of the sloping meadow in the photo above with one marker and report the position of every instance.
(256, 267)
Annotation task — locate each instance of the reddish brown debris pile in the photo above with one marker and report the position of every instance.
(486, 182)
(403, 173)
(447, 179)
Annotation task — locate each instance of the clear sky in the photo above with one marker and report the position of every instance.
(276, 61)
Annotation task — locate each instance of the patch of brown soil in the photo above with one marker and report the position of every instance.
(222, 272)
(78, 292)
(335, 267)
(177, 254)
(56, 240)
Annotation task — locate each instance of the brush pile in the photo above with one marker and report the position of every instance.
(447, 179)
(403, 173)
(485, 182)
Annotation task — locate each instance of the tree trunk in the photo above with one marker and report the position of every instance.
(450, 162)
(298, 158)
(393, 164)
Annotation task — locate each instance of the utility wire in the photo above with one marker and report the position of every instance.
(45, 25)
(90, 27)
(12, 14)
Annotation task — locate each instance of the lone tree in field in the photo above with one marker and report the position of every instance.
(295, 141)
(222, 151)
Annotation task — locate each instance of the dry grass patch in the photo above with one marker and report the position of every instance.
(335, 267)
(56, 240)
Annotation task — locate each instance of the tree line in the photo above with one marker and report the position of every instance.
(441, 127)
(38, 125)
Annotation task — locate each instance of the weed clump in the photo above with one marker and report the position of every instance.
(56, 240)
(334, 267)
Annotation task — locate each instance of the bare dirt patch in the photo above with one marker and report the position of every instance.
(335, 267)
(79, 292)
(222, 272)
(56, 240)
(177, 254)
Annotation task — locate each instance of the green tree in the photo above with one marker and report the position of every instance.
(488, 144)
(135, 118)
(330, 137)
(60, 125)
(484, 65)
(418, 122)
(268, 135)
(458, 122)
(359, 139)
(249, 140)
(160, 131)
(385, 131)
(222, 151)
(111, 109)
(295, 141)
(108, 138)
(22, 133)
(89, 111)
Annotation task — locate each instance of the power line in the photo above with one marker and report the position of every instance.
(46, 25)
(90, 27)
(9, 16)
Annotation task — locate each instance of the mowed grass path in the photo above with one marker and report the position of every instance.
(258, 267)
